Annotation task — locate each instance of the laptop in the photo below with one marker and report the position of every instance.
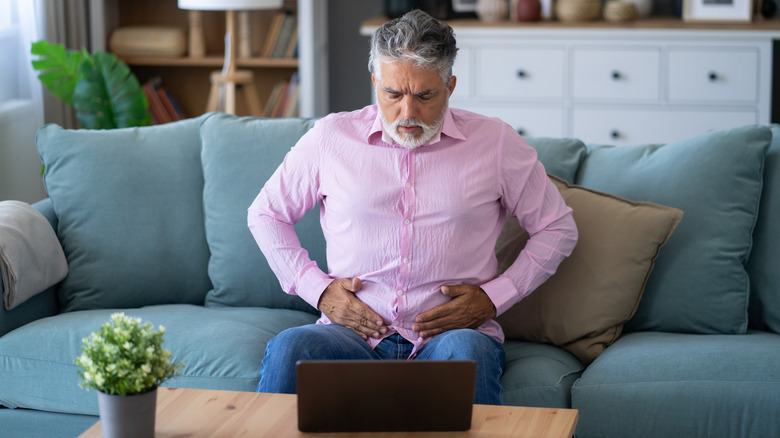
(385, 395)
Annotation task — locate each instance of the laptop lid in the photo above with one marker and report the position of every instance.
(385, 395)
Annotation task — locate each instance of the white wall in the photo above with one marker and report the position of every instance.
(20, 167)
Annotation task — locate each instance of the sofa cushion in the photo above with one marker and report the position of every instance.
(239, 155)
(682, 385)
(762, 266)
(221, 348)
(583, 306)
(560, 156)
(130, 211)
(538, 375)
(699, 284)
(24, 423)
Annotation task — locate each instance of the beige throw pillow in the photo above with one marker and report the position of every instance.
(583, 306)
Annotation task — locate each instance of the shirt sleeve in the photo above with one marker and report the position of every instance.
(529, 195)
(291, 191)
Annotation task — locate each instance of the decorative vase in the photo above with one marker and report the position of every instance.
(617, 11)
(643, 7)
(127, 416)
(529, 10)
(577, 10)
(491, 11)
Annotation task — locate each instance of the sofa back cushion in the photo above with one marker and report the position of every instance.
(699, 284)
(239, 155)
(762, 267)
(130, 214)
(560, 156)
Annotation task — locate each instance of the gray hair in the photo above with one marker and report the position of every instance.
(417, 37)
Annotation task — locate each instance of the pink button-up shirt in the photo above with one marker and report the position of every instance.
(407, 222)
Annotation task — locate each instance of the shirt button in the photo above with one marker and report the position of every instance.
(406, 259)
(407, 221)
(396, 323)
(408, 185)
(400, 292)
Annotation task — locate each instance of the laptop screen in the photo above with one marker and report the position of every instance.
(385, 395)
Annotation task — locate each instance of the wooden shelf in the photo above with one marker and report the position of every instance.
(186, 78)
(658, 22)
(209, 61)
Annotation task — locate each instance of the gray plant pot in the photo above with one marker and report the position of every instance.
(127, 416)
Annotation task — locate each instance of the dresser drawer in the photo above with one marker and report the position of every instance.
(616, 74)
(698, 75)
(529, 122)
(663, 125)
(509, 73)
(462, 70)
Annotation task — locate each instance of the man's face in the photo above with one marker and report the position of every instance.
(412, 101)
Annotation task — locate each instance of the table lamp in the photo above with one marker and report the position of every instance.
(222, 96)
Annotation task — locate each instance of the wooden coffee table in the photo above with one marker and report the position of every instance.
(209, 413)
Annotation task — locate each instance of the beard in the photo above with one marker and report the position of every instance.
(409, 140)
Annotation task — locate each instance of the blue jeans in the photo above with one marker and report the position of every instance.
(336, 342)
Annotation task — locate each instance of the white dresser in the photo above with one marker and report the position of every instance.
(658, 80)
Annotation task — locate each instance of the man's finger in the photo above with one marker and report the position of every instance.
(453, 291)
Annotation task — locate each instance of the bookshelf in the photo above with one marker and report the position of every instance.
(187, 79)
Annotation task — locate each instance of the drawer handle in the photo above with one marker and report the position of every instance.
(615, 134)
(713, 76)
(616, 76)
(522, 74)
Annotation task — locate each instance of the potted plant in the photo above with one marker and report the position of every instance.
(125, 362)
(101, 88)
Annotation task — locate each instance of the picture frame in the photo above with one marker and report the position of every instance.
(718, 11)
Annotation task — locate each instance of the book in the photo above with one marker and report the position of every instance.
(272, 35)
(163, 106)
(176, 106)
(285, 34)
(163, 94)
(156, 107)
(290, 96)
(268, 111)
(278, 105)
(292, 107)
(292, 47)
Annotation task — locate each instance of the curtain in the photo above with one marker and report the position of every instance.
(67, 23)
(22, 24)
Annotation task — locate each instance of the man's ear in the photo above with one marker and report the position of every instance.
(453, 81)
(373, 80)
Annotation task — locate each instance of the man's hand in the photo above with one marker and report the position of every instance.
(470, 307)
(342, 307)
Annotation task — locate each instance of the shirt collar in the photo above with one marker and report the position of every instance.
(448, 128)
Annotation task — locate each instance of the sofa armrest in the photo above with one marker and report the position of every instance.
(40, 306)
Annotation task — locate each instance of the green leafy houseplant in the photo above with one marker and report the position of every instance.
(101, 88)
(125, 357)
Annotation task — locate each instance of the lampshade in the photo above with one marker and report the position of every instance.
(229, 5)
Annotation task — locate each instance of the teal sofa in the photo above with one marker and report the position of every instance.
(152, 222)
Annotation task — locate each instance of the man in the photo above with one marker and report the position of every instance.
(413, 197)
